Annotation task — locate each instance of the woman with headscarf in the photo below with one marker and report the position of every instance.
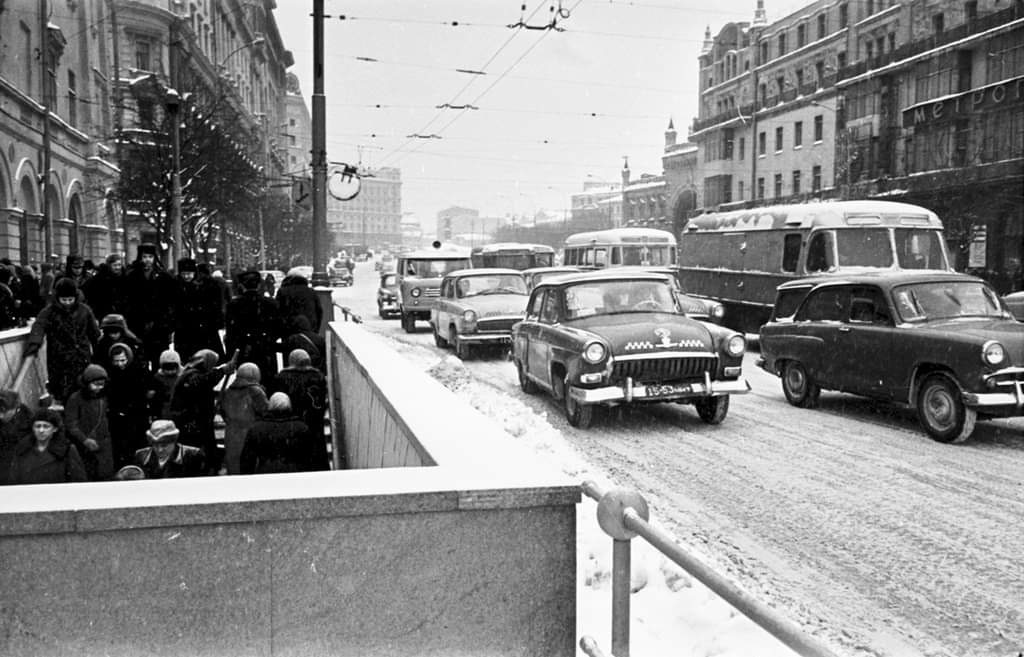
(87, 424)
(241, 404)
(129, 388)
(278, 442)
(194, 403)
(46, 456)
(306, 387)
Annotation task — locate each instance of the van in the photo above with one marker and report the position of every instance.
(419, 280)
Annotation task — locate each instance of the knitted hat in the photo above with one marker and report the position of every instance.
(92, 373)
(162, 431)
(170, 357)
(299, 358)
(65, 287)
(112, 321)
(48, 415)
(279, 401)
(186, 264)
(205, 357)
(247, 374)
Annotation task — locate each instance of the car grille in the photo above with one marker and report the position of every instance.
(664, 369)
(497, 324)
(432, 292)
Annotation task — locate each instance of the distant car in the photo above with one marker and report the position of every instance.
(939, 342)
(535, 275)
(387, 296)
(338, 273)
(617, 336)
(1015, 302)
(477, 307)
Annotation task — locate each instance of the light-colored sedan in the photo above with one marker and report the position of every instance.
(478, 307)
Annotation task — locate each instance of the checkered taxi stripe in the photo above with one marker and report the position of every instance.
(647, 345)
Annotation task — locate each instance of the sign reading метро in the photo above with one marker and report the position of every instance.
(993, 96)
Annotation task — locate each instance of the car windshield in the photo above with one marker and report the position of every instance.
(433, 268)
(946, 300)
(618, 296)
(471, 286)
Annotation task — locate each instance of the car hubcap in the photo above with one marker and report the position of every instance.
(795, 380)
(940, 408)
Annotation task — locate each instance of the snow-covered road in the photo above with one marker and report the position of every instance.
(847, 517)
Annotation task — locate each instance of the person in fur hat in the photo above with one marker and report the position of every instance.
(194, 403)
(166, 457)
(71, 332)
(149, 303)
(85, 420)
(46, 456)
(113, 330)
(198, 315)
(253, 326)
(241, 404)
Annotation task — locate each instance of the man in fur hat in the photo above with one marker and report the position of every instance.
(149, 303)
(254, 326)
(197, 311)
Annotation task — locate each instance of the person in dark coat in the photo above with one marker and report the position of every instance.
(130, 386)
(194, 402)
(15, 424)
(163, 384)
(253, 327)
(113, 329)
(10, 315)
(71, 331)
(104, 292)
(305, 339)
(166, 458)
(74, 268)
(278, 442)
(149, 303)
(86, 425)
(297, 298)
(29, 293)
(198, 316)
(45, 456)
(306, 387)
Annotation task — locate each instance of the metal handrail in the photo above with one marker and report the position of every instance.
(623, 514)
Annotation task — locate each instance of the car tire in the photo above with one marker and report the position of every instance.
(438, 340)
(526, 384)
(799, 388)
(408, 323)
(941, 410)
(712, 409)
(462, 349)
(579, 415)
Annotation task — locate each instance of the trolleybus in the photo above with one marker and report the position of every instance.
(620, 247)
(513, 255)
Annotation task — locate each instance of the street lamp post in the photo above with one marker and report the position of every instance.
(172, 101)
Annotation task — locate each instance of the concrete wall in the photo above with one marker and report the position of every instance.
(472, 556)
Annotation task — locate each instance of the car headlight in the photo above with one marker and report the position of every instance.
(993, 353)
(736, 345)
(595, 352)
(416, 292)
(718, 311)
(469, 316)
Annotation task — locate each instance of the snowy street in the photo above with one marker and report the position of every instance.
(847, 518)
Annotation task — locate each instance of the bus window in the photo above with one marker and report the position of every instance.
(600, 257)
(791, 251)
(819, 252)
(919, 249)
(544, 260)
(616, 256)
(869, 247)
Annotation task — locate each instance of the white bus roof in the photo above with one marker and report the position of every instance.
(809, 215)
(620, 236)
(444, 253)
(508, 246)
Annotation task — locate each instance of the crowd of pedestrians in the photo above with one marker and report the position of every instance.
(137, 372)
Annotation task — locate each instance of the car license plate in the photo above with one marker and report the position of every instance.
(668, 389)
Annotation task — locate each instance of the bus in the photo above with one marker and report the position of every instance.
(513, 255)
(419, 276)
(620, 247)
(739, 257)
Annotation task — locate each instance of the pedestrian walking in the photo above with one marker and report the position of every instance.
(306, 387)
(164, 380)
(46, 456)
(306, 339)
(130, 387)
(198, 316)
(15, 424)
(296, 298)
(29, 293)
(278, 442)
(194, 403)
(253, 326)
(86, 424)
(166, 457)
(70, 331)
(242, 402)
(149, 303)
(114, 330)
(104, 292)
(10, 317)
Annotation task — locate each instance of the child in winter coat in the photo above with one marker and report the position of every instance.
(163, 384)
(85, 423)
(241, 404)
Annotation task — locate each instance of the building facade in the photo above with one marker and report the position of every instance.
(598, 206)
(914, 100)
(373, 219)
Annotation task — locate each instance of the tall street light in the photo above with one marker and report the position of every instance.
(172, 101)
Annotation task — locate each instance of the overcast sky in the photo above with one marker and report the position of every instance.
(556, 108)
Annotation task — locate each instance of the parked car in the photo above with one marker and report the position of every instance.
(618, 336)
(387, 296)
(477, 307)
(939, 342)
(535, 275)
(1015, 302)
(339, 273)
